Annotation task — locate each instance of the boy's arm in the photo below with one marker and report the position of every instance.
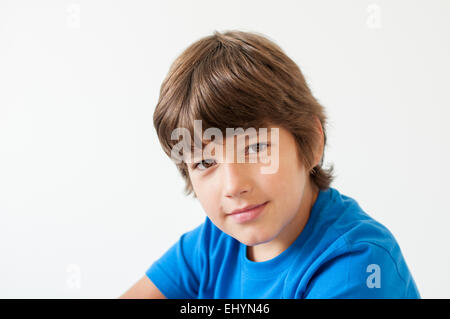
(175, 274)
(143, 289)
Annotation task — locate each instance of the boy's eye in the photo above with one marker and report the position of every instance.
(201, 164)
(259, 147)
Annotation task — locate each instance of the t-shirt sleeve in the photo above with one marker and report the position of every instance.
(363, 271)
(176, 272)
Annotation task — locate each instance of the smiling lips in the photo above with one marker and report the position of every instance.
(247, 213)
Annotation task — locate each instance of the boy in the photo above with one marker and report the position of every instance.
(281, 234)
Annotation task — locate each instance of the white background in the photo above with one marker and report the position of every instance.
(88, 199)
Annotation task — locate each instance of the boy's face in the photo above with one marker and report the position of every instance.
(224, 185)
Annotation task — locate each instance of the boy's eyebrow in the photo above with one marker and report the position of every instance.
(194, 146)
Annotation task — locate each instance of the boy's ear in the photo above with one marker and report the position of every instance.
(320, 142)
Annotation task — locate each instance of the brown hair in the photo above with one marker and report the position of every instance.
(240, 79)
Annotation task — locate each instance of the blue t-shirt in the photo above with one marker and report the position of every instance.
(341, 253)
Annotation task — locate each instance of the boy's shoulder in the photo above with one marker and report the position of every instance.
(347, 243)
(348, 220)
(343, 229)
(340, 218)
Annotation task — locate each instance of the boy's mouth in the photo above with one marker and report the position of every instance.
(246, 208)
(247, 213)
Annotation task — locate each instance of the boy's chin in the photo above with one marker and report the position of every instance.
(249, 235)
(253, 239)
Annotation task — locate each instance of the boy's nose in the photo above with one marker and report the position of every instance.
(235, 179)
